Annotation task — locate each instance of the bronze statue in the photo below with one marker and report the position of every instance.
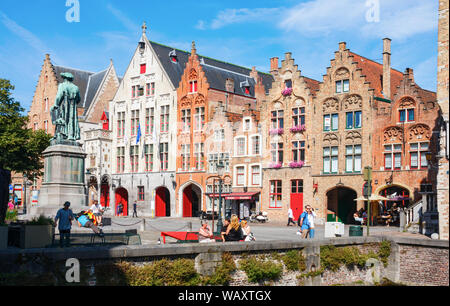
(64, 112)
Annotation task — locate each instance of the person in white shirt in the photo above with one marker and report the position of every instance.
(290, 217)
(97, 210)
(311, 218)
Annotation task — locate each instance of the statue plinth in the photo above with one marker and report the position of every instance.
(64, 180)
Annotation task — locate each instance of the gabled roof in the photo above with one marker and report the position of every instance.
(215, 71)
(374, 71)
(88, 83)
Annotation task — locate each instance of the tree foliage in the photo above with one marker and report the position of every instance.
(20, 147)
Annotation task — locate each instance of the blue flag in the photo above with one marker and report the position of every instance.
(138, 134)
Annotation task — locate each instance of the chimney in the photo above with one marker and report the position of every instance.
(229, 85)
(274, 63)
(387, 68)
(410, 73)
(193, 49)
(254, 74)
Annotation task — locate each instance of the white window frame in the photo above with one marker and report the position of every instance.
(236, 146)
(235, 181)
(250, 175)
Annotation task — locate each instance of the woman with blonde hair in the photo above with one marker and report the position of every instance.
(246, 231)
(234, 231)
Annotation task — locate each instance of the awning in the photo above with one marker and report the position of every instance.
(241, 195)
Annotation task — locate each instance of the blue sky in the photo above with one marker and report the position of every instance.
(246, 33)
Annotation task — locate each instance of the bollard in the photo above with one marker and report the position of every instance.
(143, 225)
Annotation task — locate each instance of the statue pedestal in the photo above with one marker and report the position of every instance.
(64, 180)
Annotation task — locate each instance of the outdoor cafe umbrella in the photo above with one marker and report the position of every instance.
(372, 198)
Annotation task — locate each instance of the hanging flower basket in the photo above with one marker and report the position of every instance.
(294, 164)
(276, 132)
(275, 165)
(298, 128)
(286, 92)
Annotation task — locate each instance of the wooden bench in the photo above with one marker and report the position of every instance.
(91, 239)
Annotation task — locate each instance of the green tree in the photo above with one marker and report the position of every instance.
(21, 148)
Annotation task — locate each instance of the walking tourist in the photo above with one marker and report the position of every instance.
(306, 222)
(290, 217)
(135, 210)
(65, 217)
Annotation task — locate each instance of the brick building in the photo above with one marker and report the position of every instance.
(286, 123)
(143, 118)
(96, 89)
(442, 99)
(205, 84)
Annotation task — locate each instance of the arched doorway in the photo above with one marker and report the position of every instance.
(104, 192)
(341, 201)
(162, 202)
(122, 197)
(192, 195)
(396, 195)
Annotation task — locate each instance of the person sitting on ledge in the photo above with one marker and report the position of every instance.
(205, 234)
(84, 221)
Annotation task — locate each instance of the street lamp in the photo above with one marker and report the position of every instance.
(24, 200)
(220, 170)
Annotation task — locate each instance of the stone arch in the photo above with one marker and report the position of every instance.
(341, 73)
(419, 131)
(352, 101)
(392, 134)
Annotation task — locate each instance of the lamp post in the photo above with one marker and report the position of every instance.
(24, 200)
(87, 174)
(220, 170)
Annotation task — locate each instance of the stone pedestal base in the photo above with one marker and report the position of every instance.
(64, 180)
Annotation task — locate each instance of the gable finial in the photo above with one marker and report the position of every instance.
(144, 28)
(193, 49)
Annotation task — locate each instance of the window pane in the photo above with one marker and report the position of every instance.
(357, 119)
(357, 163)
(397, 147)
(326, 151)
(358, 149)
(414, 160)
(402, 115)
(326, 122)
(397, 160)
(424, 145)
(414, 146)
(349, 121)
(349, 163)
(339, 86)
(334, 121)
(410, 114)
(334, 164)
(388, 148)
(346, 85)
(423, 160)
(349, 150)
(334, 151)
(388, 161)
(326, 164)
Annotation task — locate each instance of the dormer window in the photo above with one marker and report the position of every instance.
(406, 115)
(246, 87)
(193, 87)
(342, 86)
(173, 56)
(143, 68)
(141, 47)
(288, 83)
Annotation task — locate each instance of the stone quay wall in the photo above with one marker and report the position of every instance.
(411, 261)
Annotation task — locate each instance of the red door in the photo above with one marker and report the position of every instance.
(297, 198)
(122, 197)
(187, 202)
(161, 198)
(104, 196)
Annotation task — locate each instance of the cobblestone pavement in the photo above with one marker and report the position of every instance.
(150, 229)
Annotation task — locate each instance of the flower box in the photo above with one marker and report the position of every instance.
(36, 236)
(298, 128)
(286, 92)
(3, 237)
(294, 164)
(276, 166)
(276, 132)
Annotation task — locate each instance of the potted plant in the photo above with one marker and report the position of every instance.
(275, 165)
(286, 92)
(276, 131)
(298, 128)
(295, 164)
(37, 233)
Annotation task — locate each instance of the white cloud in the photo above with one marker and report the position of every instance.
(399, 19)
(126, 22)
(200, 25)
(233, 16)
(32, 40)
